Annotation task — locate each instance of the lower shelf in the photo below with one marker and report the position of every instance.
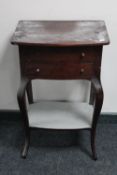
(60, 115)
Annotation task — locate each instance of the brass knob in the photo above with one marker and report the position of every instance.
(82, 70)
(37, 70)
(83, 54)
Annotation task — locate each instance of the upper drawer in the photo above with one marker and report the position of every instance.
(30, 55)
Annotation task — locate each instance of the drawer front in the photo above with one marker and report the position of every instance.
(59, 71)
(42, 55)
(59, 63)
(89, 55)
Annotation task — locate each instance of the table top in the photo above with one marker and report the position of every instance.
(60, 33)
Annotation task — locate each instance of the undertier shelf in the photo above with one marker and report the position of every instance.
(60, 115)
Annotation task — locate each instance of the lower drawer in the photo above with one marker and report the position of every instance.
(59, 71)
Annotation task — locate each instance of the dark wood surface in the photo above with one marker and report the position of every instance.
(60, 63)
(60, 50)
(21, 97)
(60, 33)
(97, 102)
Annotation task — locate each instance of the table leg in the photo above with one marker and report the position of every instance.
(26, 144)
(29, 92)
(98, 91)
(93, 135)
(23, 109)
(92, 96)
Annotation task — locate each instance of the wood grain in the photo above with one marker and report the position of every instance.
(60, 33)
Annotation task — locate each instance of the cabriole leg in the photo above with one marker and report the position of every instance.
(26, 145)
(29, 92)
(97, 101)
(93, 136)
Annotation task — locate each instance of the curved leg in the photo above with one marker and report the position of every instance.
(23, 109)
(93, 136)
(26, 146)
(29, 92)
(91, 100)
(98, 101)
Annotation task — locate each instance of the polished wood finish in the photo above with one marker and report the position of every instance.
(60, 50)
(60, 63)
(61, 33)
(97, 101)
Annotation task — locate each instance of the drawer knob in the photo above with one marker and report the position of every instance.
(83, 54)
(37, 70)
(82, 70)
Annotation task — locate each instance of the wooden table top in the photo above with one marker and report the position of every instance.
(60, 33)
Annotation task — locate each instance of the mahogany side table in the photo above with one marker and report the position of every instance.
(60, 50)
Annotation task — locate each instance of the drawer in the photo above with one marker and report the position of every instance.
(60, 63)
(60, 55)
(89, 54)
(59, 71)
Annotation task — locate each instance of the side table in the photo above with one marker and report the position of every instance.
(60, 50)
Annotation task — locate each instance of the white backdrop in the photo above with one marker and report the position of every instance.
(14, 10)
